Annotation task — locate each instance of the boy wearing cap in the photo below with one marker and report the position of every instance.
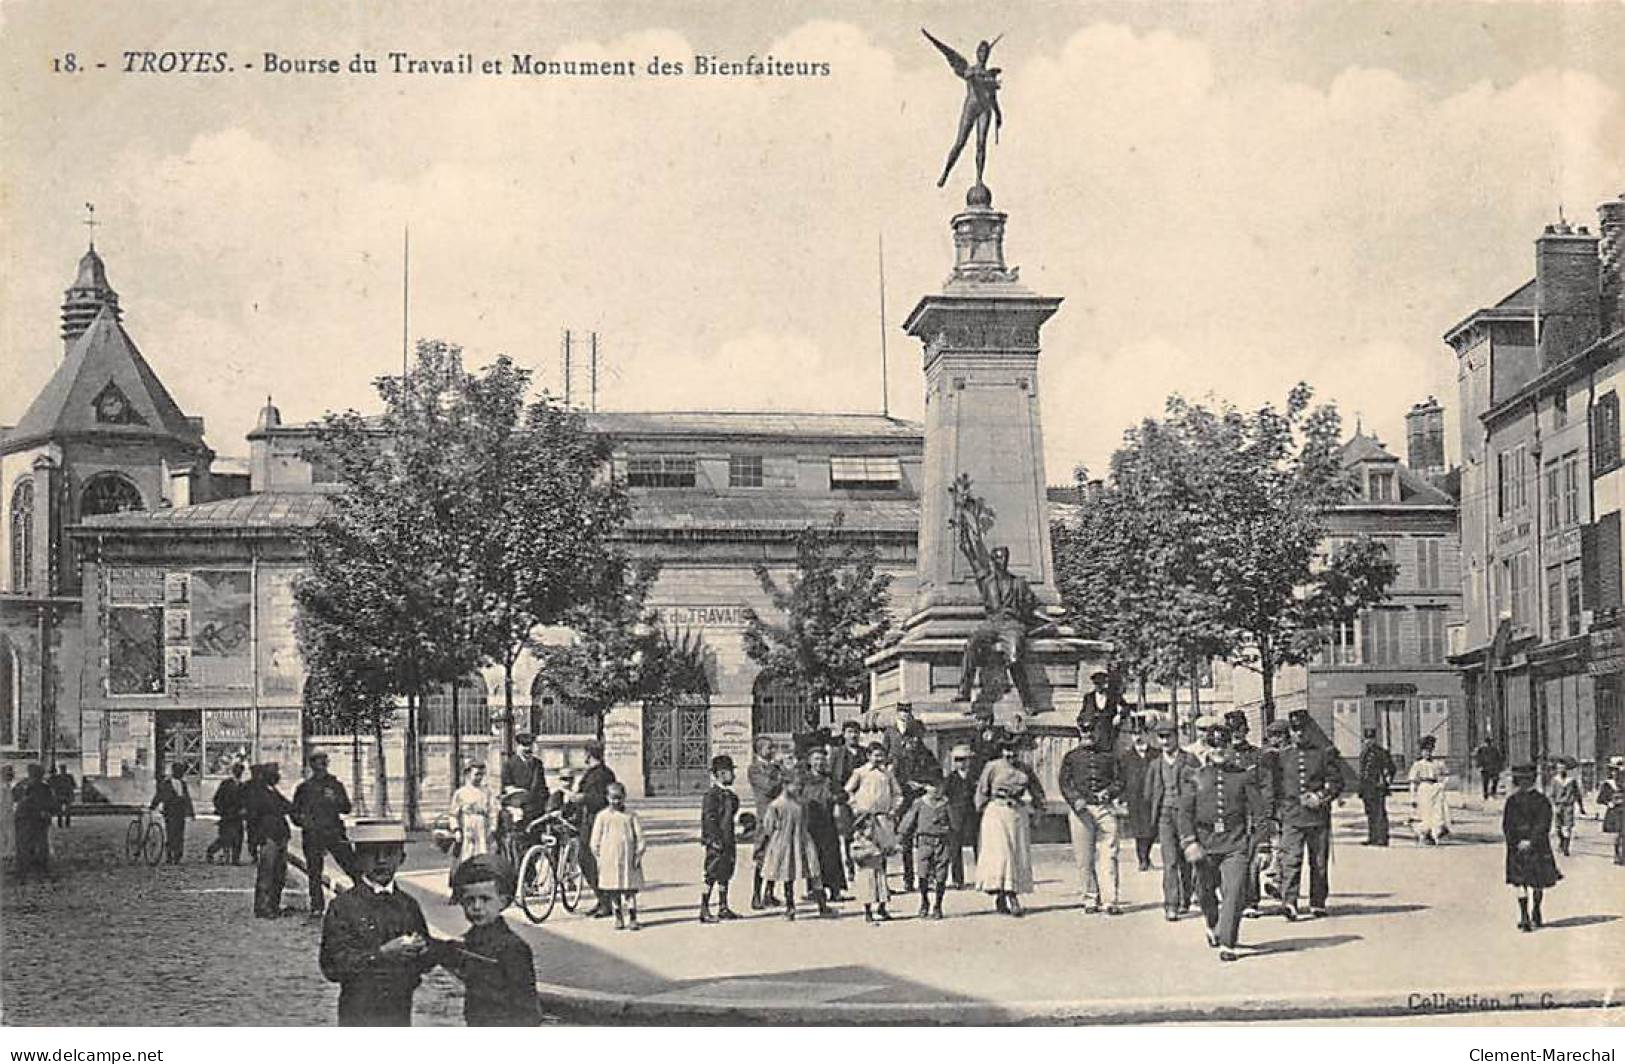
(1311, 779)
(1166, 778)
(496, 966)
(718, 809)
(1527, 824)
(1217, 817)
(375, 942)
(928, 825)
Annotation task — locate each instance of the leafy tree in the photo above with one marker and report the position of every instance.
(835, 614)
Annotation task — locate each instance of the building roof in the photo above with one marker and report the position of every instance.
(1518, 305)
(1414, 490)
(764, 423)
(103, 363)
(288, 510)
(652, 511)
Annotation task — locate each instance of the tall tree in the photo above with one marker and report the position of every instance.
(835, 613)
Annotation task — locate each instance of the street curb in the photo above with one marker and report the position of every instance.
(672, 1007)
(593, 1006)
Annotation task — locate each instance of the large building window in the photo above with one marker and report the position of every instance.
(744, 470)
(109, 493)
(1571, 489)
(660, 471)
(11, 694)
(1380, 487)
(1553, 477)
(1379, 637)
(1605, 433)
(22, 535)
(1571, 595)
(1554, 602)
(1342, 648)
(1512, 480)
(1429, 573)
(1430, 636)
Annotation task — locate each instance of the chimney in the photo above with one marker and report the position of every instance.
(1567, 291)
(1424, 438)
(1611, 217)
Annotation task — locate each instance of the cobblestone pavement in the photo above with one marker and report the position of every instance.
(110, 944)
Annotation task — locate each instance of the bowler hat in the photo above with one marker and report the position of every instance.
(1236, 720)
(1164, 725)
(523, 738)
(1523, 772)
(1371, 733)
(1100, 674)
(722, 763)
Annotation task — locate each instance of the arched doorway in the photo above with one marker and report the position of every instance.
(677, 745)
(781, 709)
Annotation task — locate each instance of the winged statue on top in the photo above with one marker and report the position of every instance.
(981, 108)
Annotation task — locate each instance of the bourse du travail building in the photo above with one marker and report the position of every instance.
(148, 609)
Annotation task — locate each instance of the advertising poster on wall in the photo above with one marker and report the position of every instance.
(135, 650)
(281, 670)
(221, 629)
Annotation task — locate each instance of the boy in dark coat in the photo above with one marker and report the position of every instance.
(496, 966)
(375, 942)
(718, 810)
(1527, 824)
(228, 806)
(928, 828)
(960, 789)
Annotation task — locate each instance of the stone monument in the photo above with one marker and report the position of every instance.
(984, 520)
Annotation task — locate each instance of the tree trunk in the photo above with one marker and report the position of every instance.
(1196, 689)
(380, 771)
(456, 740)
(1144, 682)
(413, 699)
(355, 770)
(1266, 672)
(507, 707)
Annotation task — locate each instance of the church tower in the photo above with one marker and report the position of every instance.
(86, 298)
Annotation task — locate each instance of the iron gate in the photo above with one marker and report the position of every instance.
(677, 746)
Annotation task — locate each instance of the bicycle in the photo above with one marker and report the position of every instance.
(550, 871)
(144, 838)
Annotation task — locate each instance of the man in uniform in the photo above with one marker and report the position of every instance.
(1165, 779)
(1091, 782)
(1217, 816)
(1376, 775)
(912, 765)
(375, 943)
(318, 806)
(524, 771)
(1311, 780)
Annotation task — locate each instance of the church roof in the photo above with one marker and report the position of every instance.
(103, 387)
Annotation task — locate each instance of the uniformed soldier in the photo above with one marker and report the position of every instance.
(1252, 759)
(319, 805)
(1218, 816)
(1092, 783)
(375, 942)
(1311, 778)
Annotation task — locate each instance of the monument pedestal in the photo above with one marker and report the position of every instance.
(980, 336)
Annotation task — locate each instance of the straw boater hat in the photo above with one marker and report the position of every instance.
(962, 750)
(378, 833)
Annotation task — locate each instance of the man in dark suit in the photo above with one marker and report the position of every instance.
(62, 788)
(896, 735)
(913, 765)
(1252, 759)
(964, 771)
(592, 791)
(1136, 761)
(1376, 775)
(1165, 779)
(175, 801)
(1311, 780)
(228, 806)
(319, 804)
(524, 771)
(1218, 815)
(1106, 708)
(266, 812)
(848, 756)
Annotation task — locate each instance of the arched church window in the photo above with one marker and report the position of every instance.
(22, 535)
(109, 493)
(10, 693)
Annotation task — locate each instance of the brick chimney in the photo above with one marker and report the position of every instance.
(1568, 292)
(1424, 438)
(1611, 216)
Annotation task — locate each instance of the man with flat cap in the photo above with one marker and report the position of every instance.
(1217, 817)
(1376, 776)
(523, 769)
(1166, 779)
(375, 942)
(319, 803)
(1106, 707)
(1311, 780)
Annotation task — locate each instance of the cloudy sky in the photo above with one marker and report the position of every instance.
(1229, 197)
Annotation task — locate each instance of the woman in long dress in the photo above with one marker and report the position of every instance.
(1005, 795)
(1427, 792)
(472, 814)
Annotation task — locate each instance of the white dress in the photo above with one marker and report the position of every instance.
(1006, 860)
(472, 813)
(618, 844)
(1427, 787)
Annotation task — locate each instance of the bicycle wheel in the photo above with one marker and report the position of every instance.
(538, 889)
(569, 875)
(152, 844)
(132, 841)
